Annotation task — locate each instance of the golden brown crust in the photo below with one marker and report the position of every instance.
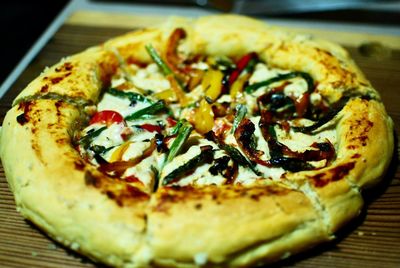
(51, 185)
(235, 224)
(119, 224)
(77, 77)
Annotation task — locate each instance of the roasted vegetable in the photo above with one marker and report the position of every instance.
(204, 117)
(246, 63)
(241, 111)
(165, 69)
(281, 77)
(212, 84)
(246, 140)
(149, 110)
(132, 96)
(234, 153)
(206, 156)
(88, 138)
(183, 134)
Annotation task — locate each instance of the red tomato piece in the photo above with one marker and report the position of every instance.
(107, 117)
(151, 128)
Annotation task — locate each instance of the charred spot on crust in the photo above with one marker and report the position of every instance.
(58, 79)
(80, 165)
(332, 175)
(169, 196)
(116, 189)
(92, 180)
(44, 88)
(67, 66)
(24, 117)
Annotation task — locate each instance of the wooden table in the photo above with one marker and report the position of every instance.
(371, 240)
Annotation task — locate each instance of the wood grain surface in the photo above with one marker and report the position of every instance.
(371, 240)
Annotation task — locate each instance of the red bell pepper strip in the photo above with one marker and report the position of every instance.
(241, 65)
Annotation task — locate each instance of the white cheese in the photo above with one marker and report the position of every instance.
(296, 88)
(109, 137)
(200, 65)
(150, 78)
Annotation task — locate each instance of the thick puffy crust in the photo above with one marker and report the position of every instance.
(55, 189)
(79, 77)
(106, 219)
(231, 226)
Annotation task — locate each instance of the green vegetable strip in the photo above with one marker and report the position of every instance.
(158, 60)
(176, 128)
(237, 156)
(149, 110)
(132, 96)
(234, 153)
(206, 156)
(162, 65)
(280, 77)
(86, 140)
(241, 111)
(183, 135)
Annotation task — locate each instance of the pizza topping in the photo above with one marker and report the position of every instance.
(246, 63)
(184, 131)
(224, 106)
(246, 140)
(205, 156)
(147, 111)
(234, 153)
(241, 111)
(107, 117)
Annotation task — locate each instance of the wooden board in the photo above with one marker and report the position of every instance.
(371, 240)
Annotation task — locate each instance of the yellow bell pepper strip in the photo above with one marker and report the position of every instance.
(204, 117)
(183, 134)
(119, 152)
(212, 84)
(238, 85)
(167, 95)
(119, 167)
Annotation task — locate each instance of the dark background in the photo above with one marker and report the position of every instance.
(22, 23)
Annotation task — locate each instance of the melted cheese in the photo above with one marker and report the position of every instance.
(150, 78)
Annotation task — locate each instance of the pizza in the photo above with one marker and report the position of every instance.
(217, 141)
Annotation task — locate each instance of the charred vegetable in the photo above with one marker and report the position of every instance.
(206, 156)
(234, 153)
(183, 134)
